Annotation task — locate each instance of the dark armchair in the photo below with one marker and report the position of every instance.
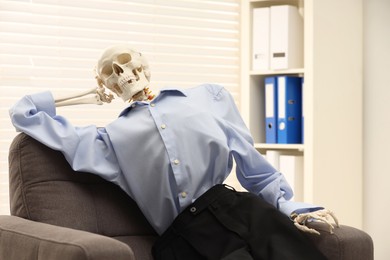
(60, 214)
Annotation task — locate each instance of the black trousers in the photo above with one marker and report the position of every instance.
(225, 224)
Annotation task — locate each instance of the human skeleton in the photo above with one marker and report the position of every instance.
(126, 73)
(121, 70)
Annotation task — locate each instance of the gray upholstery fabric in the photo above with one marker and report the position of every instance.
(26, 239)
(44, 189)
(347, 243)
(141, 245)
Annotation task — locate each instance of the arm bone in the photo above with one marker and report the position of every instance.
(94, 96)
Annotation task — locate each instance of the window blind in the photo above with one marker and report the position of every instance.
(54, 45)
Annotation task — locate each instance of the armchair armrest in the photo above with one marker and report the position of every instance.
(347, 243)
(25, 239)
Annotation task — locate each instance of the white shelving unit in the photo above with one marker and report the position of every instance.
(333, 106)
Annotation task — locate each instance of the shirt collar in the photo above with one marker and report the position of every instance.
(164, 91)
(172, 90)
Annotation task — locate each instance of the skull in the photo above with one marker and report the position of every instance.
(124, 71)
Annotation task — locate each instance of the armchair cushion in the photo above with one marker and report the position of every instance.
(26, 239)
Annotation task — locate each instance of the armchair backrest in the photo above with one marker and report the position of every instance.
(44, 188)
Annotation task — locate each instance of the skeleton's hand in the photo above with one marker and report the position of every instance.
(325, 216)
(93, 96)
(103, 96)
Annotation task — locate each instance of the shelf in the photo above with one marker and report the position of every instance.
(299, 71)
(291, 147)
(275, 2)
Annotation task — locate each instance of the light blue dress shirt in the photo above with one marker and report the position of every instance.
(164, 153)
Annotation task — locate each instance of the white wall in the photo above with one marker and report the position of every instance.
(377, 124)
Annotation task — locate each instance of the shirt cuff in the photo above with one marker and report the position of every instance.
(44, 101)
(289, 207)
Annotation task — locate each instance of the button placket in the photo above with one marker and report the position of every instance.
(167, 135)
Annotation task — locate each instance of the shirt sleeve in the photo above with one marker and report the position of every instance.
(86, 149)
(254, 172)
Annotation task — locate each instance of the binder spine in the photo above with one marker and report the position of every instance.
(271, 97)
(286, 37)
(260, 40)
(289, 110)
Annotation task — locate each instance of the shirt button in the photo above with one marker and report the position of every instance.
(133, 105)
(183, 194)
(176, 162)
(152, 105)
(163, 126)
